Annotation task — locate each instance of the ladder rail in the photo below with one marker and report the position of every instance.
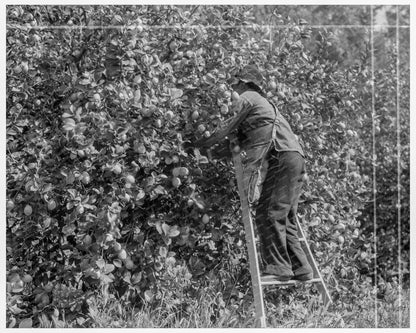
(326, 296)
(251, 243)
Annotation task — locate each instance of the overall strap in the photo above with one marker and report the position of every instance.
(274, 121)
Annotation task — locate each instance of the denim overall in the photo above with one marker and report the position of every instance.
(273, 172)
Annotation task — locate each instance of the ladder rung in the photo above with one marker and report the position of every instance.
(270, 281)
(301, 239)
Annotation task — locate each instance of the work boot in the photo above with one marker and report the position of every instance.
(274, 277)
(272, 272)
(303, 277)
(303, 273)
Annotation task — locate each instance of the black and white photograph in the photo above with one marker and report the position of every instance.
(207, 166)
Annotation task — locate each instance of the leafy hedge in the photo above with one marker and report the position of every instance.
(101, 193)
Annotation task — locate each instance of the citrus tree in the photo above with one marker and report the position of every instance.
(101, 193)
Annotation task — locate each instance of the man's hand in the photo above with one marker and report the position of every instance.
(190, 146)
(187, 145)
(221, 150)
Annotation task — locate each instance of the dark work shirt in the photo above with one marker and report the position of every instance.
(260, 123)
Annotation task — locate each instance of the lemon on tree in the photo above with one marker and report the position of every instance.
(201, 128)
(176, 182)
(117, 169)
(87, 240)
(27, 278)
(85, 177)
(28, 210)
(205, 218)
(224, 109)
(117, 247)
(176, 172)
(122, 254)
(10, 204)
(195, 115)
(129, 263)
(130, 179)
(183, 171)
(235, 96)
(51, 204)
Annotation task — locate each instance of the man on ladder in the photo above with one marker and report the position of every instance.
(275, 159)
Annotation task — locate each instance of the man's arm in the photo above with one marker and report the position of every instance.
(242, 108)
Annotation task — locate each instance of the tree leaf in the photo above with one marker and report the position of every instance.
(109, 268)
(15, 309)
(158, 225)
(100, 263)
(140, 195)
(12, 322)
(84, 81)
(203, 160)
(174, 231)
(175, 93)
(163, 252)
(148, 296)
(199, 202)
(106, 279)
(165, 229)
(159, 190)
(117, 263)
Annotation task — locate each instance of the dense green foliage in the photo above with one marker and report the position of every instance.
(103, 197)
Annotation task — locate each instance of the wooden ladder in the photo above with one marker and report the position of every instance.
(259, 282)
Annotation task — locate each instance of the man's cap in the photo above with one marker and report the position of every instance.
(250, 73)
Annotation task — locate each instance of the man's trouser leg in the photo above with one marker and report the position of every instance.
(275, 216)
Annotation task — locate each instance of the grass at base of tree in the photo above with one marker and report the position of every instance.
(111, 313)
